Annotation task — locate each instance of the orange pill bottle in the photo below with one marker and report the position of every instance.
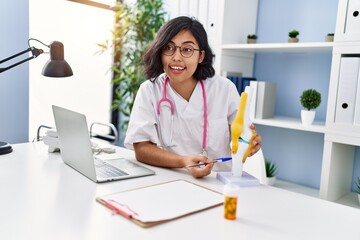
(231, 192)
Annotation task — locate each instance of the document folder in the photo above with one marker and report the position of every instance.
(155, 204)
(347, 87)
(352, 25)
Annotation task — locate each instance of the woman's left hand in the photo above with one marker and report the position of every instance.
(256, 143)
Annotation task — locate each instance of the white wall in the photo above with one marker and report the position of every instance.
(80, 28)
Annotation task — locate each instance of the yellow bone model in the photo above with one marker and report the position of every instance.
(240, 127)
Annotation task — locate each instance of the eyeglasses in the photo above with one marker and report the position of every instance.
(185, 50)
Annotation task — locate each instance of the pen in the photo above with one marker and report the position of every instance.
(223, 159)
(116, 210)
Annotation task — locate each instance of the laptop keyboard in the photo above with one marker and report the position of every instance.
(104, 170)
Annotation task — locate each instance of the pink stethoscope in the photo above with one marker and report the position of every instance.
(164, 99)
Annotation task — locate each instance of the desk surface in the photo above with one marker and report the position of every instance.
(42, 198)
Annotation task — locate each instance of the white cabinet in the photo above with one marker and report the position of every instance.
(342, 120)
(341, 128)
(227, 33)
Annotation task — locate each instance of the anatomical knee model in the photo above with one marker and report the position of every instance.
(241, 133)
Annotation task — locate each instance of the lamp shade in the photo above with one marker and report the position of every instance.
(57, 66)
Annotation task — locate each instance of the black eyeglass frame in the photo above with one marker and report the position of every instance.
(180, 49)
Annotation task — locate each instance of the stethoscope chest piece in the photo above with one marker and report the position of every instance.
(163, 101)
(204, 153)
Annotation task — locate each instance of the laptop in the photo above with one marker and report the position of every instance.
(76, 151)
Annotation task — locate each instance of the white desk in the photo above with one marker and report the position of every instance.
(42, 198)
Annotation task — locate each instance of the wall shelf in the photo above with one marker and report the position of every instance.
(291, 123)
(350, 199)
(282, 47)
(293, 187)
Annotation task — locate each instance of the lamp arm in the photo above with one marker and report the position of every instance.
(15, 55)
(35, 52)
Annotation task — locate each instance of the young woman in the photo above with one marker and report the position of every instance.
(182, 115)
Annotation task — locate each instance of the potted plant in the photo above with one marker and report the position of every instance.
(329, 37)
(271, 171)
(293, 36)
(357, 183)
(251, 38)
(310, 99)
(136, 25)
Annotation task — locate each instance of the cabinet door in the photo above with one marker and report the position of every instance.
(208, 12)
(213, 27)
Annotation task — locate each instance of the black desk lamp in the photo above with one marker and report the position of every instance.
(55, 67)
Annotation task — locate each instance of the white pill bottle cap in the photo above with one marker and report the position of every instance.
(231, 190)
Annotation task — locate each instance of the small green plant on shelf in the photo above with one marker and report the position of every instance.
(251, 38)
(294, 33)
(357, 183)
(270, 168)
(329, 37)
(310, 99)
(293, 36)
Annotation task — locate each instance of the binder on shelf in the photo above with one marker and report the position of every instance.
(265, 99)
(237, 81)
(155, 204)
(347, 90)
(235, 77)
(357, 103)
(245, 81)
(252, 108)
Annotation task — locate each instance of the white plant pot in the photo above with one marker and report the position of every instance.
(270, 181)
(329, 38)
(307, 117)
(293, 40)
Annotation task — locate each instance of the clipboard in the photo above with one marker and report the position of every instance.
(155, 204)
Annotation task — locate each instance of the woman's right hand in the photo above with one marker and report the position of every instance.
(198, 171)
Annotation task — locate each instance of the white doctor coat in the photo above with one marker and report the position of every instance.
(188, 125)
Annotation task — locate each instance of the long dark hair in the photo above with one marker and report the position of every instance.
(152, 58)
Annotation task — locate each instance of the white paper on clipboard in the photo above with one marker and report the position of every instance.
(164, 201)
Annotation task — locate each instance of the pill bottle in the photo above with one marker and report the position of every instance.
(231, 192)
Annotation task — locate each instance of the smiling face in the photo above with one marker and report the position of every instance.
(180, 69)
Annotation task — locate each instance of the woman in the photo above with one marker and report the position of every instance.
(181, 116)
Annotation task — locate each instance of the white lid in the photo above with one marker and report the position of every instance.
(231, 190)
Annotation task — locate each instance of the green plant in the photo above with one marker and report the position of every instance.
(357, 183)
(252, 36)
(270, 168)
(135, 27)
(294, 33)
(330, 34)
(310, 99)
